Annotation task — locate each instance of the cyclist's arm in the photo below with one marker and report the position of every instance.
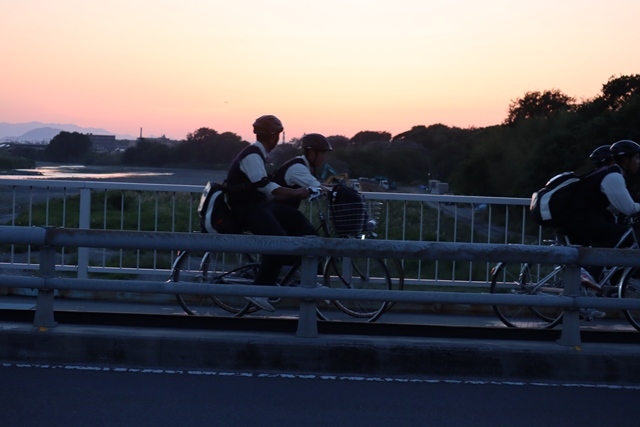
(615, 188)
(253, 167)
(299, 175)
(284, 193)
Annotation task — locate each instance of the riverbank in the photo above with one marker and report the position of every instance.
(165, 176)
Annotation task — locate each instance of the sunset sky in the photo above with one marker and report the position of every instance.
(334, 66)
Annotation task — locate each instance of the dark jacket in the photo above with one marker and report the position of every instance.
(278, 178)
(240, 190)
(588, 199)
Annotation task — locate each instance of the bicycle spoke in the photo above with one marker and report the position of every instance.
(631, 289)
(219, 268)
(183, 270)
(358, 273)
(231, 269)
(524, 279)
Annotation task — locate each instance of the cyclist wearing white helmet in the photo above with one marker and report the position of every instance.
(252, 198)
(600, 192)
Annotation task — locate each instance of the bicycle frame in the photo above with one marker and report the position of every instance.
(613, 281)
(608, 273)
(341, 272)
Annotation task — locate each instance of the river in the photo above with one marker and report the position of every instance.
(93, 173)
(118, 174)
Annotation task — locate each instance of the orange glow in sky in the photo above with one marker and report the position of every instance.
(335, 67)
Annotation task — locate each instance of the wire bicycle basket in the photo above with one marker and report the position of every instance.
(350, 214)
(374, 209)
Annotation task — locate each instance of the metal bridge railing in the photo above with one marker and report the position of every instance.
(99, 205)
(51, 240)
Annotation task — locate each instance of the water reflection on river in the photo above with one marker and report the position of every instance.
(12, 197)
(118, 173)
(79, 172)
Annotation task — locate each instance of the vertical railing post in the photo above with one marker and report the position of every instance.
(84, 224)
(44, 303)
(571, 317)
(308, 322)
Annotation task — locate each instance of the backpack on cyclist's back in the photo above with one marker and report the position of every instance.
(214, 212)
(550, 205)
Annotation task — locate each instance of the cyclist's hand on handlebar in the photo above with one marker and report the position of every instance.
(314, 193)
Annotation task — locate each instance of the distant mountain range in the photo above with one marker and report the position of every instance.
(37, 132)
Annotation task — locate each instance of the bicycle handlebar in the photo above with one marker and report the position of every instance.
(632, 219)
(314, 193)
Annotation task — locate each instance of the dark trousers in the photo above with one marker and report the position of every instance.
(273, 219)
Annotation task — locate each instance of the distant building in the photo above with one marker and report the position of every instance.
(107, 143)
(160, 139)
(437, 187)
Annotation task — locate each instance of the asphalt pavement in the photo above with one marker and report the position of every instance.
(218, 348)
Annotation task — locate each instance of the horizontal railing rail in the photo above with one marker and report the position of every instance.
(49, 240)
(101, 205)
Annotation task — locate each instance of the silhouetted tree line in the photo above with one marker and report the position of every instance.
(204, 148)
(13, 158)
(544, 133)
(68, 147)
(9, 162)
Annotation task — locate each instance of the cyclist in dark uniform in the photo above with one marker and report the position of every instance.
(592, 223)
(300, 171)
(599, 198)
(252, 198)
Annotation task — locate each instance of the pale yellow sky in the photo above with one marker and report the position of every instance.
(336, 67)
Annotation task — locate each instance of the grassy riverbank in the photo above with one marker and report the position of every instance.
(168, 211)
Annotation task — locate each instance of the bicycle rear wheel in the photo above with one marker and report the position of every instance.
(631, 289)
(523, 279)
(191, 304)
(213, 270)
(358, 273)
(230, 269)
(396, 272)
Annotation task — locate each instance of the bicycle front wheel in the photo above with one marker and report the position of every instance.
(630, 288)
(232, 269)
(358, 273)
(527, 279)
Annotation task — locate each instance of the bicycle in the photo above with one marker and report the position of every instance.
(336, 272)
(544, 279)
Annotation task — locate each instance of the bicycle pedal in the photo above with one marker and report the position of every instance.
(589, 315)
